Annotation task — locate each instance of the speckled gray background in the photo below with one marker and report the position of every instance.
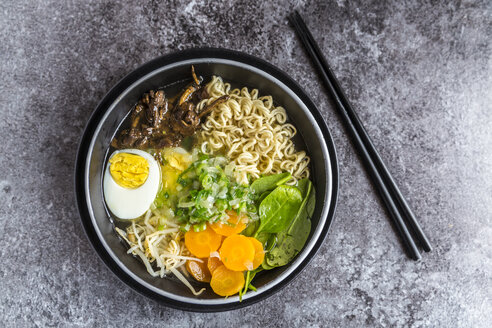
(419, 75)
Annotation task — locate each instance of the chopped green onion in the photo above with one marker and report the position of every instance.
(200, 227)
(207, 192)
(186, 227)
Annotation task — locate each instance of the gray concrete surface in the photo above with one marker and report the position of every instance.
(419, 75)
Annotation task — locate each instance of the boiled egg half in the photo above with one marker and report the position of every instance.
(131, 182)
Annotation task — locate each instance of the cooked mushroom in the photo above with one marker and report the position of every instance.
(157, 121)
(207, 109)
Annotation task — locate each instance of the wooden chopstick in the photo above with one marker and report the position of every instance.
(380, 175)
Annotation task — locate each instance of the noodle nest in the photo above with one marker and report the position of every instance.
(252, 133)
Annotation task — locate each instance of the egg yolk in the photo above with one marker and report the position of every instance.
(129, 170)
(177, 160)
(169, 178)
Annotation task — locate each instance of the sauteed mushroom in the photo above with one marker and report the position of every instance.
(157, 121)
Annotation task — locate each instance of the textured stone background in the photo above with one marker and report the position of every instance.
(419, 75)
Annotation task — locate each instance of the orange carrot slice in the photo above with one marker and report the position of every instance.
(235, 224)
(202, 243)
(237, 253)
(198, 270)
(259, 252)
(213, 263)
(226, 282)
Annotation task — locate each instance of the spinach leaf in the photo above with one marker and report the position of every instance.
(266, 266)
(263, 237)
(269, 182)
(291, 241)
(278, 209)
(304, 187)
(291, 245)
(262, 197)
(269, 240)
(247, 284)
(311, 202)
(250, 229)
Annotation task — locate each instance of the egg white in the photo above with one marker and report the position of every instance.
(132, 203)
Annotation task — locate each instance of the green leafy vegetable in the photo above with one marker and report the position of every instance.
(311, 202)
(269, 240)
(247, 284)
(284, 224)
(266, 266)
(291, 241)
(278, 209)
(262, 197)
(291, 244)
(250, 229)
(270, 182)
(305, 187)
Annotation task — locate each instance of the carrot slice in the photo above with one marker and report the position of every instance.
(213, 263)
(226, 282)
(259, 252)
(237, 253)
(198, 270)
(202, 243)
(235, 224)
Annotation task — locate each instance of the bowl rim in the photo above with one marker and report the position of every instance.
(144, 71)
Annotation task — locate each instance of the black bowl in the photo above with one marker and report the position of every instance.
(241, 70)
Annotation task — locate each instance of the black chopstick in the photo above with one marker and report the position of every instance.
(391, 206)
(385, 174)
(374, 164)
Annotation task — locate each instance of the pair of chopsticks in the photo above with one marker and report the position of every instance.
(396, 204)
